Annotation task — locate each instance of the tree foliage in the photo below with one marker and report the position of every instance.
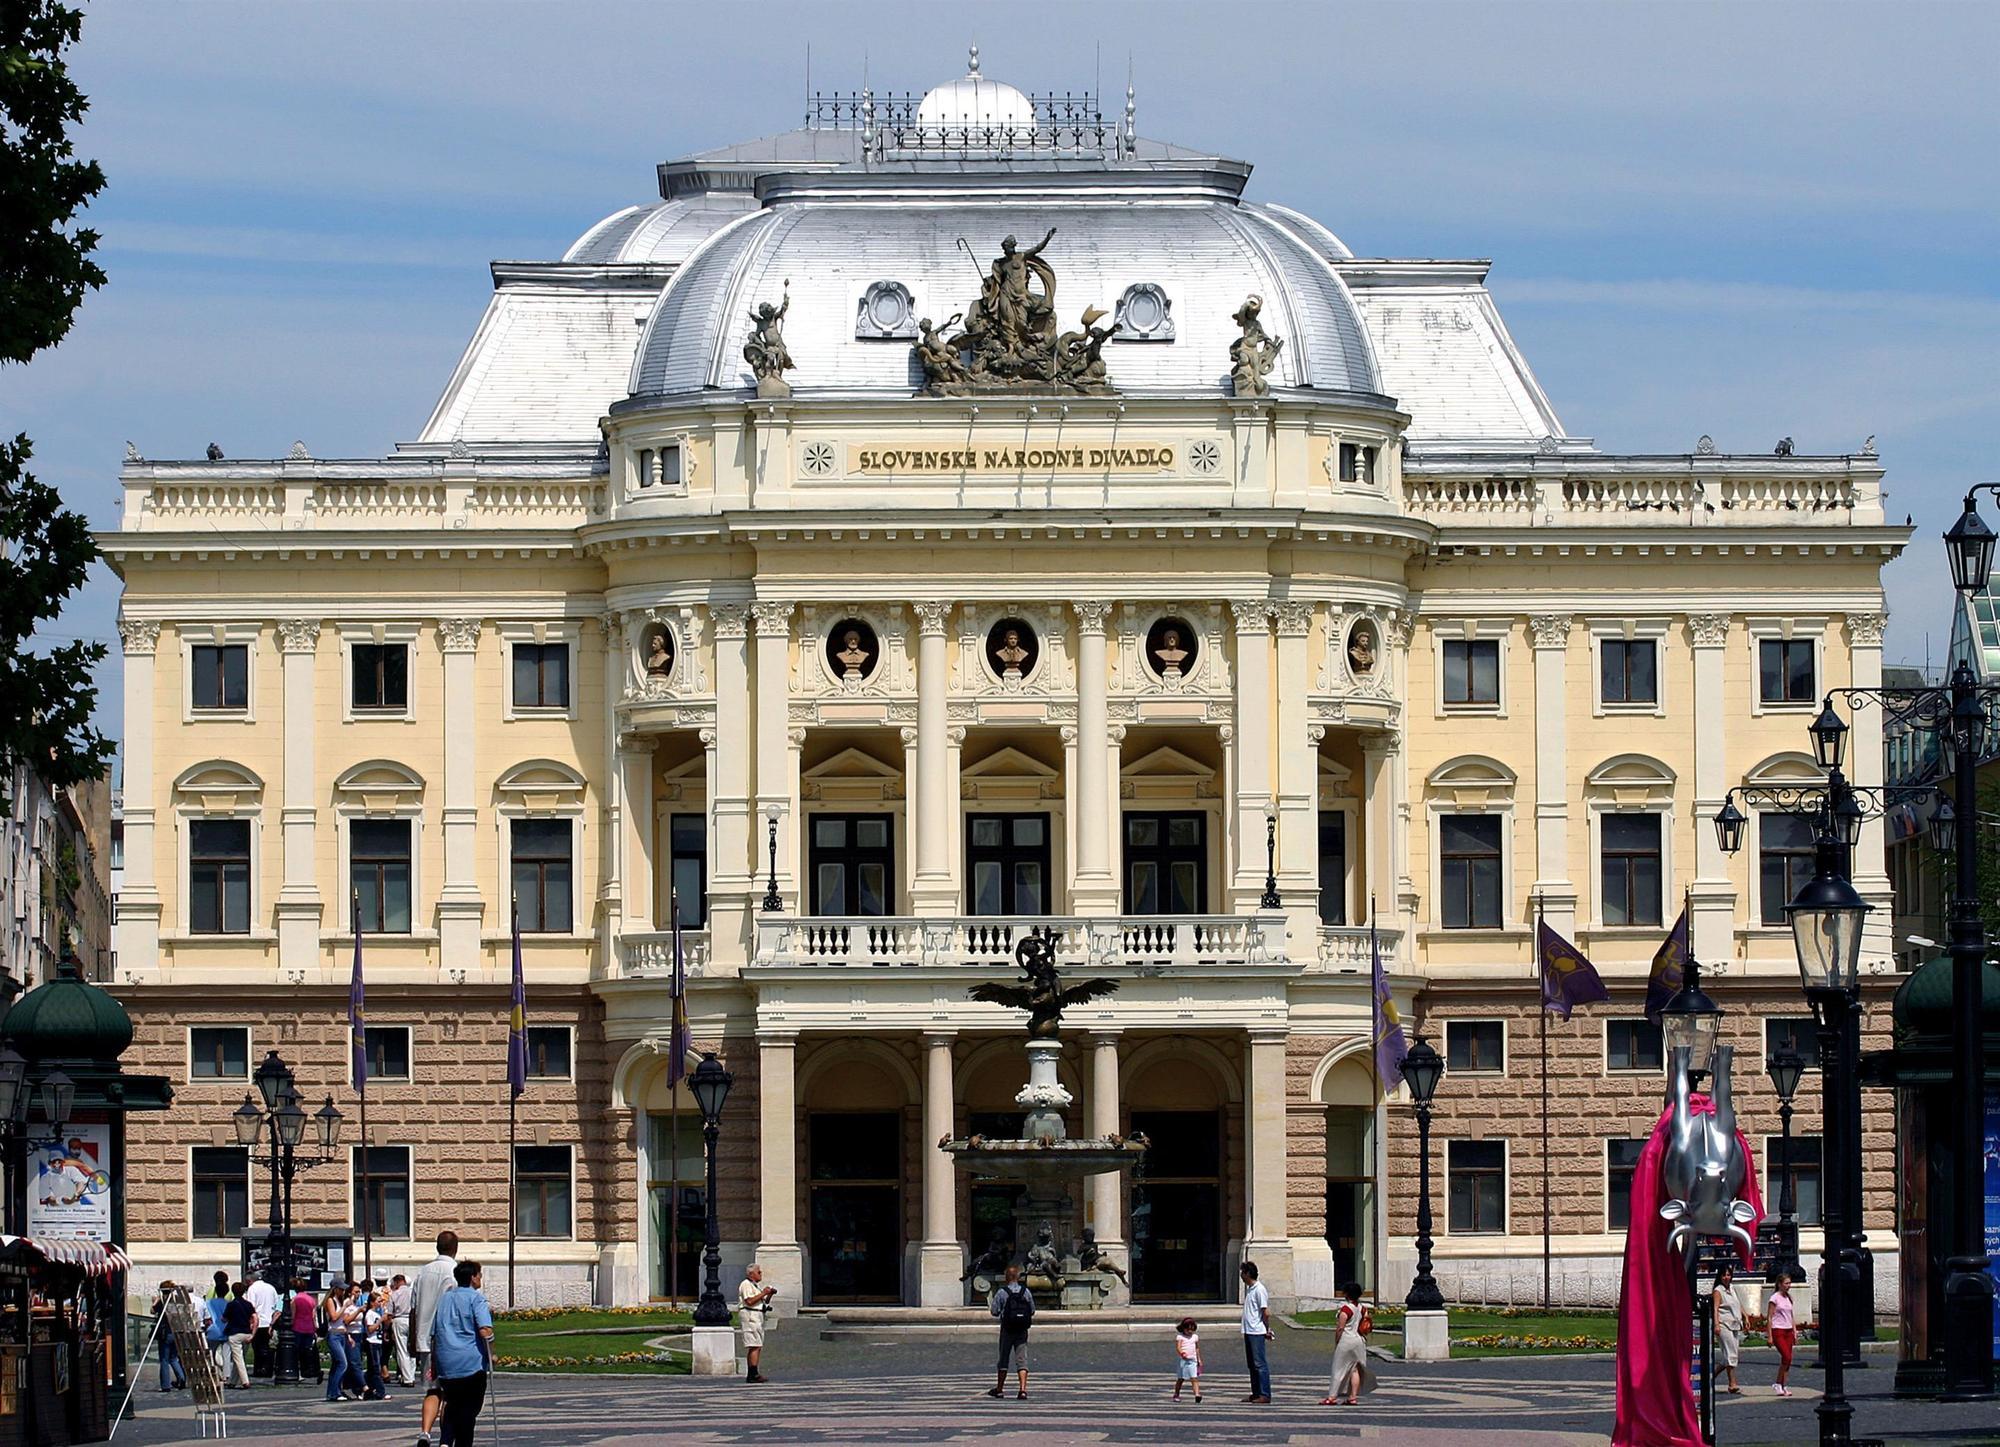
(46, 697)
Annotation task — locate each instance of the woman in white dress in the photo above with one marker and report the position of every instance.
(1728, 1326)
(1351, 1372)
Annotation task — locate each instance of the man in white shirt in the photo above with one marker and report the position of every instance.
(397, 1323)
(433, 1280)
(264, 1297)
(1257, 1334)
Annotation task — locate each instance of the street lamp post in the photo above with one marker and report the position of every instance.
(1785, 1069)
(709, 1084)
(774, 902)
(284, 1119)
(1422, 1068)
(1270, 898)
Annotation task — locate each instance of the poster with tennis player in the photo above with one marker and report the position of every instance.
(69, 1183)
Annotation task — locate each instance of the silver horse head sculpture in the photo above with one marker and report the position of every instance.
(1704, 1167)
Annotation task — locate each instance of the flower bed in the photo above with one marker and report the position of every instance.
(1507, 1341)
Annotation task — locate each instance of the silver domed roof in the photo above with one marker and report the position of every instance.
(1205, 255)
(662, 233)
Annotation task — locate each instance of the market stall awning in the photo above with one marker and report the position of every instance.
(89, 1257)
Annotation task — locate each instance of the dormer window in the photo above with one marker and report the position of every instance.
(887, 311)
(1144, 314)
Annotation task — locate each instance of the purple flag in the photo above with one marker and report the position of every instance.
(1568, 979)
(517, 1022)
(1390, 1047)
(1669, 969)
(677, 1053)
(357, 1025)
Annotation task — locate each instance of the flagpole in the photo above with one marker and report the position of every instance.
(1378, 1242)
(513, 1102)
(358, 1047)
(1542, 1029)
(674, 1173)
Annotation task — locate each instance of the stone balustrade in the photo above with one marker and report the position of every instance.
(1082, 943)
(649, 955)
(1345, 950)
(419, 495)
(1696, 495)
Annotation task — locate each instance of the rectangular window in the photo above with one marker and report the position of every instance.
(1471, 671)
(1469, 869)
(541, 1190)
(381, 676)
(384, 1200)
(1785, 845)
(1633, 1045)
(379, 873)
(687, 851)
(1476, 1186)
(541, 875)
(1803, 1163)
(1007, 864)
(1630, 670)
(1797, 1035)
(548, 1052)
(220, 1202)
(1785, 670)
(220, 675)
(388, 1049)
(219, 1052)
(1475, 1045)
(853, 862)
(1621, 1159)
(1632, 868)
(1332, 867)
(541, 675)
(1357, 463)
(219, 876)
(1166, 863)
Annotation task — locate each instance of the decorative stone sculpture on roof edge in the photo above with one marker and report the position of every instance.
(1255, 353)
(765, 351)
(1010, 342)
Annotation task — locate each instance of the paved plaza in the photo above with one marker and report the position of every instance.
(909, 1389)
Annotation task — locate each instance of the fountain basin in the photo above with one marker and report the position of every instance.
(1046, 1161)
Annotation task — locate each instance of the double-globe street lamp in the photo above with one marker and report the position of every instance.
(709, 1085)
(56, 1094)
(1422, 1068)
(284, 1118)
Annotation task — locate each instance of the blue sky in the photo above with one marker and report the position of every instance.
(1746, 220)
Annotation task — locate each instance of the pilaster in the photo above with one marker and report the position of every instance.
(298, 904)
(1095, 887)
(1107, 1216)
(461, 909)
(137, 929)
(1865, 764)
(777, 1159)
(1298, 782)
(1268, 1239)
(1549, 634)
(1253, 776)
(932, 891)
(941, 1260)
(775, 777)
(1713, 893)
(731, 904)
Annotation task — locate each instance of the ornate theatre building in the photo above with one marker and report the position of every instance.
(954, 518)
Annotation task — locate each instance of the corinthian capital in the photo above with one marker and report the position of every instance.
(1708, 630)
(298, 635)
(1865, 629)
(773, 619)
(1091, 614)
(1294, 618)
(138, 635)
(458, 635)
(732, 620)
(1550, 630)
(931, 616)
(1253, 615)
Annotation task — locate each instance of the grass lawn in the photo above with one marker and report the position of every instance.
(1495, 1332)
(587, 1341)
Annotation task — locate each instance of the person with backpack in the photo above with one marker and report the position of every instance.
(1353, 1322)
(1014, 1304)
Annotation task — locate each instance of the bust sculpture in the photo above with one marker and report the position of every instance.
(1169, 654)
(1011, 654)
(853, 657)
(1361, 650)
(659, 654)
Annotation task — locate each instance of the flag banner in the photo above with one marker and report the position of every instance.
(1669, 969)
(357, 1026)
(1568, 979)
(517, 1022)
(677, 1053)
(1390, 1047)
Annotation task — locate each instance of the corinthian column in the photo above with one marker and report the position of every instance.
(932, 891)
(1253, 777)
(774, 747)
(1095, 890)
(941, 1259)
(731, 871)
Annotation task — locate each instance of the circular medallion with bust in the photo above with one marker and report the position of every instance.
(852, 650)
(1171, 645)
(1361, 645)
(656, 651)
(1012, 649)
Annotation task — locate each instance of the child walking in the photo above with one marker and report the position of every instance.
(1187, 1357)
(1783, 1332)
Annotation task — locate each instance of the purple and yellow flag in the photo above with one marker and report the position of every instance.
(357, 1014)
(1568, 979)
(1390, 1047)
(517, 1022)
(677, 1053)
(1669, 969)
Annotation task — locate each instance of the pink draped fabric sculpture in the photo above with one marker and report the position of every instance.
(1655, 1314)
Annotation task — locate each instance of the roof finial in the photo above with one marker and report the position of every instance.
(972, 61)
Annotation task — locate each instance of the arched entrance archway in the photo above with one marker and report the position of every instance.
(854, 1138)
(1348, 1089)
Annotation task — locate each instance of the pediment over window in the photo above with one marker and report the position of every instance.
(1790, 767)
(1630, 781)
(1472, 781)
(1166, 774)
(541, 786)
(218, 786)
(1008, 773)
(852, 776)
(379, 786)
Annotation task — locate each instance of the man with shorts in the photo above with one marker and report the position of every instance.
(754, 1299)
(1014, 1304)
(433, 1280)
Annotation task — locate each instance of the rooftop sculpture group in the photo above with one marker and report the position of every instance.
(1010, 342)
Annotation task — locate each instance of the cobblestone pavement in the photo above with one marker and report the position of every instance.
(864, 1393)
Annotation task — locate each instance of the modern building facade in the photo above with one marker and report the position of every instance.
(943, 615)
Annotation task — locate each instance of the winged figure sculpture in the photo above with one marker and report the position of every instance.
(1042, 995)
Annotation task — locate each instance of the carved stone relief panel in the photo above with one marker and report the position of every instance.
(1172, 647)
(1014, 648)
(666, 647)
(854, 649)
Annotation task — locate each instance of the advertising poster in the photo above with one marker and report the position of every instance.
(69, 1183)
(1990, 1156)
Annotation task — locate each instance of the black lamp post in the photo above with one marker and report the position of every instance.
(709, 1084)
(774, 902)
(1785, 1069)
(1270, 899)
(1691, 1020)
(1827, 919)
(285, 1120)
(1422, 1068)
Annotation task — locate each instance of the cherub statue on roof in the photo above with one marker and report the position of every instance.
(765, 351)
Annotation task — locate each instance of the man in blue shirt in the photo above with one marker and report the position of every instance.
(461, 1352)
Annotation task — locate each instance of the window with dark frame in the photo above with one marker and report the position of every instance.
(1785, 852)
(219, 675)
(1621, 1161)
(852, 858)
(219, 876)
(1632, 868)
(542, 874)
(548, 1052)
(1785, 670)
(1471, 671)
(1630, 671)
(1469, 870)
(1802, 1160)
(1475, 1045)
(1633, 1045)
(687, 853)
(386, 1206)
(541, 675)
(1332, 867)
(219, 1196)
(1007, 864)
(379, 873)
(1797, 1034)
(1476, 1186)
(219, 1052)
(1166, 862)
(542, 1191)
(1357, 463)
(388, 1050)
(381, 676)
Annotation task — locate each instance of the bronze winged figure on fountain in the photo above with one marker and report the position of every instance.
(1043, 995)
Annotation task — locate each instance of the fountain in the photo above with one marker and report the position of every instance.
(1044, 1157)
